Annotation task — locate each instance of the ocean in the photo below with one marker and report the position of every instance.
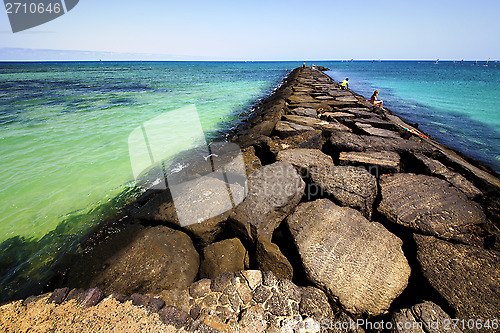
(65, 163)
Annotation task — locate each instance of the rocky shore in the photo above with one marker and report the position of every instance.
(353, 221)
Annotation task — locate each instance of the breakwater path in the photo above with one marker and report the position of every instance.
(353, 221)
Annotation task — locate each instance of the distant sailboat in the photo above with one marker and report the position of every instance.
(437, 61)
(486, 63)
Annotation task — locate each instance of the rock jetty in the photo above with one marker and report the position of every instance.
(353, 221)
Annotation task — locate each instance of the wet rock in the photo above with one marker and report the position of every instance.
(224, 256)
(58, 295)
(304, 112)
(270, 258)
(273, 192)
(360, 262)
(303, 158)
(311, 140)
(351, 186)
(438, 169)
(161, 209)
(377, 161)
(158, 258)
(425, 317)
(428, 205)
(467, 277)
(286, 129)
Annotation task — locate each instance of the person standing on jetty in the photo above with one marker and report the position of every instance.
(304, 65)
(374, 100)
(345, 84)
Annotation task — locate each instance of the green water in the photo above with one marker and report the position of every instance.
(64, 129)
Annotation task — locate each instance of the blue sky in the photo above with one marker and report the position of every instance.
(264, 30)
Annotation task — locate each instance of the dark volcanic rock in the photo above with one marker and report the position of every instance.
(466, 276)
(286, 129)
(172, 316)
(58, 295)
(325, 126)
(303, 158)
(270, 258)
(438, 169)
(429, 205)
(425, 317)
(346, 141)
(379, 161)
(311, 140)
(252, 162)
(351, 186)
(158, 258)
(304, 112)
(273, 192)
(160, 208)
(224, 256)
(359, 262)
(314, 303)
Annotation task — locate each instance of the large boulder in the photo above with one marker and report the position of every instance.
(467, 277)
(310, 139)
(438, 169)
(273, 192)
(376, 161)
(351, 186)
(325, 126)
(286, 129)
(346, 141)
(224, 256)
(303, 158)
(426, 317)
(429, 205)
(161, 209)
(358, 262)
(157, 258)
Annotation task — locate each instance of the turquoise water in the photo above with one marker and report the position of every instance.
(64, 128)
(456, 103)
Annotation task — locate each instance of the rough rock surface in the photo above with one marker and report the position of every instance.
(161, 209)
(158, 258)
(467, 277)
(273, 192)
(425, 317)
(326, 126)
(438, 169)
(432, 206)
(270, 258)
(359, 262)
(303, 158)
(379, 161)
(224, 256)
(311, 139)
(286, 129)
(351, 186)
(304, 112)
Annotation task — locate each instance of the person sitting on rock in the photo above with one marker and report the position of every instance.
(345, 84)
(374, 101)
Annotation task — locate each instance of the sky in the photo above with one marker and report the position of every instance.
(261, 30)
